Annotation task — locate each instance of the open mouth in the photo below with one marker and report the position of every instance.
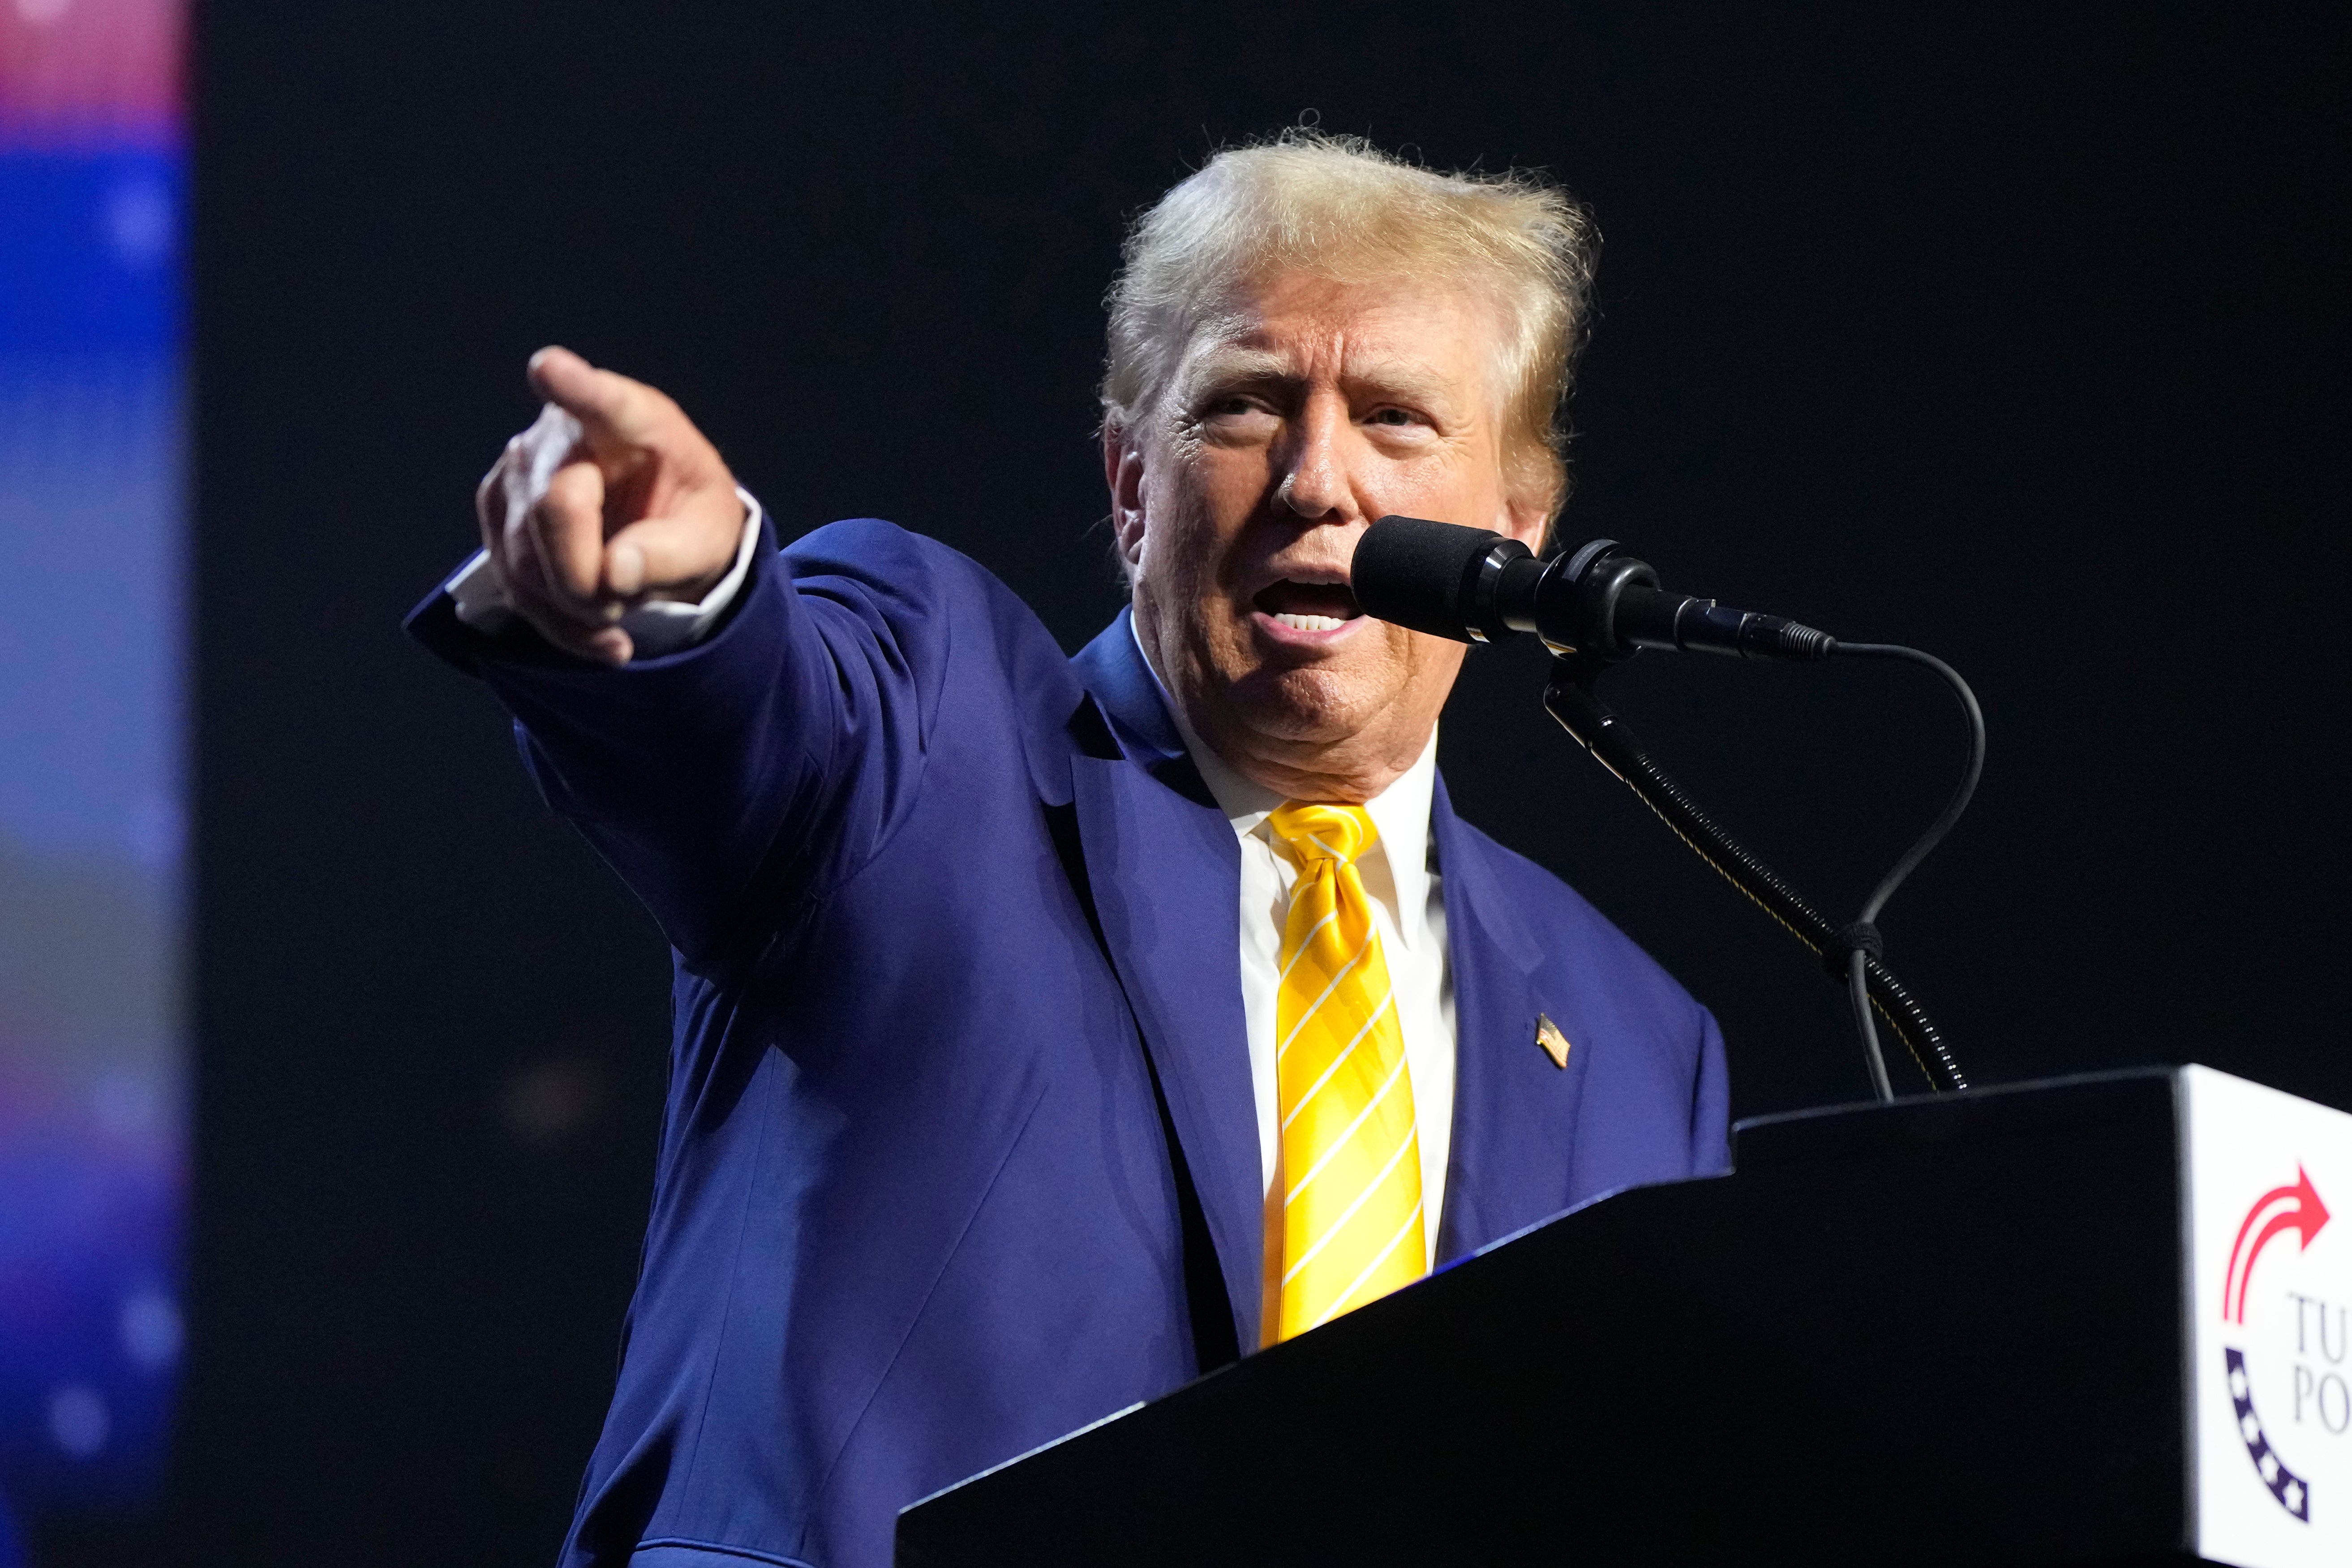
(1308, 606)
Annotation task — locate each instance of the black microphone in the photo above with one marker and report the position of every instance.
(1475, 586)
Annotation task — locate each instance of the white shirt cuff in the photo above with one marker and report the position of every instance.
(656, 626)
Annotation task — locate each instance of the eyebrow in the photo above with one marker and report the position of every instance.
(1228, 363)
(1232, 361)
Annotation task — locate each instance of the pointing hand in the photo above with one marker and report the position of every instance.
(612, 498)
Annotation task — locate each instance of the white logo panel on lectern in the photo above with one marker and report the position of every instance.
(2270, 1316)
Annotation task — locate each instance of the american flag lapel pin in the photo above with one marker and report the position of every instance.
(1554, 1043)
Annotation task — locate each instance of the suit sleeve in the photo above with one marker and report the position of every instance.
(758, 766)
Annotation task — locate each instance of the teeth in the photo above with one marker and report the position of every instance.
(1310, 623)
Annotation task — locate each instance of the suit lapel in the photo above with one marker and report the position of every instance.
(1165, 872)
(1514, 1111)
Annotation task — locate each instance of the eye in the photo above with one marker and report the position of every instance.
(1392, 415)
(1236, 417)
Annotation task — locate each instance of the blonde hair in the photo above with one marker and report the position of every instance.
(1338, 207)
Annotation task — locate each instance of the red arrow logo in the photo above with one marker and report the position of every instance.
(2295, 1208)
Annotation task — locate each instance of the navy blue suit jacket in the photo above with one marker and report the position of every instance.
(959, 1065)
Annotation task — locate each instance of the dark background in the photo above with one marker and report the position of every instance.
(2016, 336)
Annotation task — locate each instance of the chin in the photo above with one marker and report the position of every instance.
(1309, 706)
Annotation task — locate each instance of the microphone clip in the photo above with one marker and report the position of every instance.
(1596, 577)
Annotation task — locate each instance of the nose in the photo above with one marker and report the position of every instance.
(1316, 486)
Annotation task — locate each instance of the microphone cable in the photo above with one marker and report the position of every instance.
(1860, 941)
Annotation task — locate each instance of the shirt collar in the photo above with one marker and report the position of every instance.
(1400, 812)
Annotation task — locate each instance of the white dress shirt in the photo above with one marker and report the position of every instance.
(1408, 908)
(1399, 873)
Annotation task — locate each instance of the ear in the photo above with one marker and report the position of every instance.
(1123, 471)
(1527, 523)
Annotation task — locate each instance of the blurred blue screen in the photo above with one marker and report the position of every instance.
(93, 734)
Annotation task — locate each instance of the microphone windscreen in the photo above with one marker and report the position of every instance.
(1420, 575)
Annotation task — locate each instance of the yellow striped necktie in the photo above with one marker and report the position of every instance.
(1352, 1226)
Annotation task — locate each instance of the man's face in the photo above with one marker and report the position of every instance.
(1300, 415)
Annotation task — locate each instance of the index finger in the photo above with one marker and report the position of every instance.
(611, 408)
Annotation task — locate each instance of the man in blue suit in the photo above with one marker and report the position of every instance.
(1051, 1030)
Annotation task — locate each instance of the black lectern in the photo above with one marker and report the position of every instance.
(1969, 1328)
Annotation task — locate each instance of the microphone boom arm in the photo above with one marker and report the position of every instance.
(1568, 698)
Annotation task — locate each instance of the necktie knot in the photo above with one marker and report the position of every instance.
(1313, 831)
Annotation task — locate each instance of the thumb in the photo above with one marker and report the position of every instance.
(612, 409)
(671, 555)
